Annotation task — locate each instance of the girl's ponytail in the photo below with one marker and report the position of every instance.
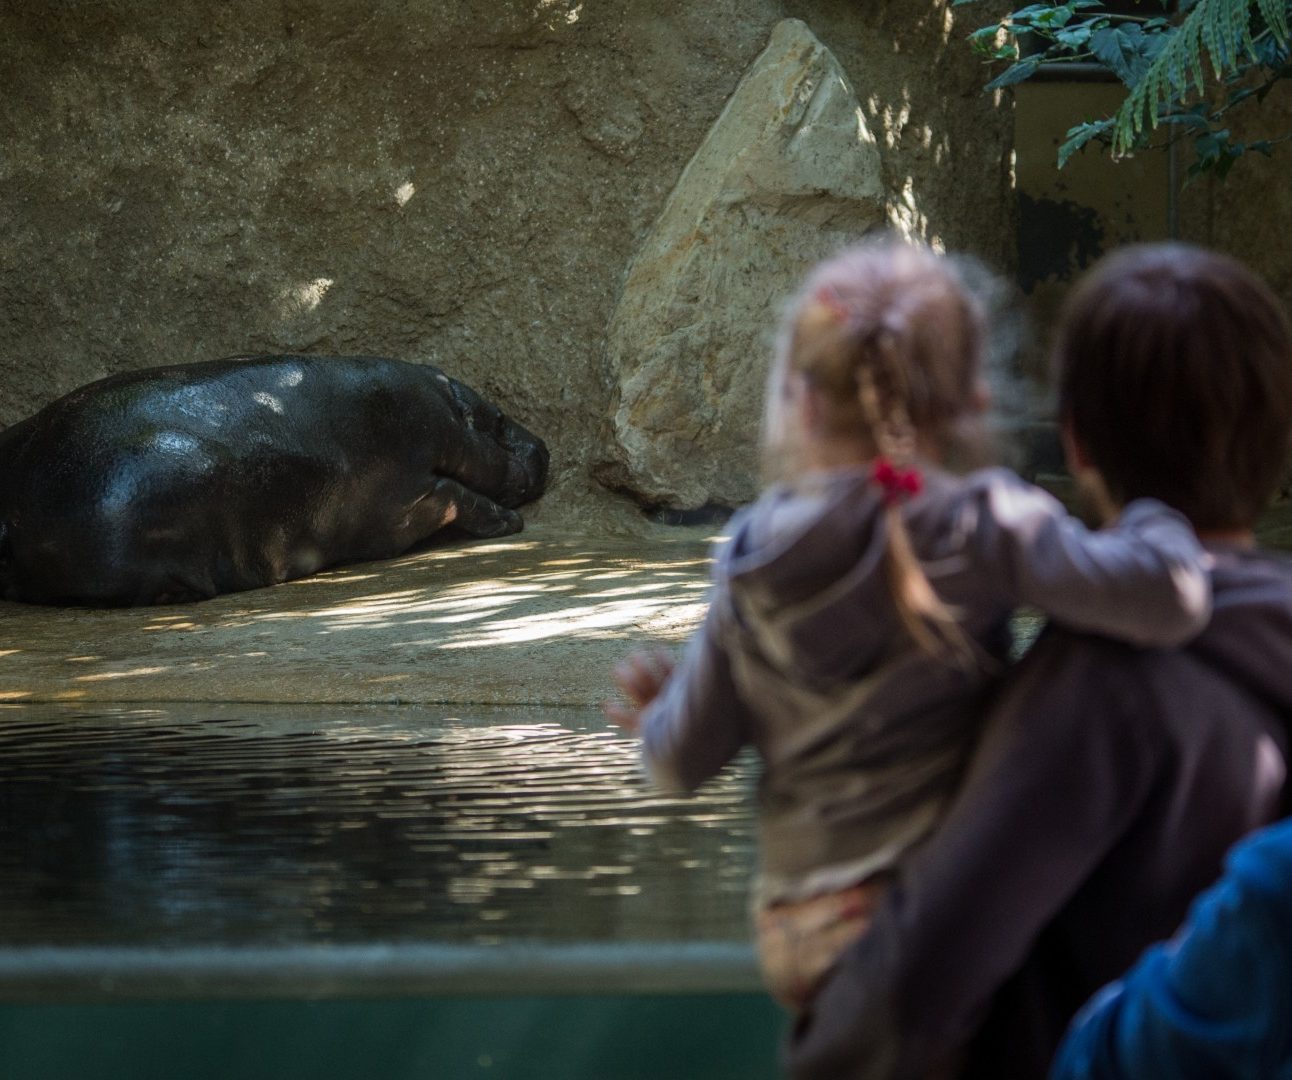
(931, 624)
(889, 336)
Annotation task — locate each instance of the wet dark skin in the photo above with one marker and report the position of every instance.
(184, 482)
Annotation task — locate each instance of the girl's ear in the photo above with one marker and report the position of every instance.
(801, 409)
(812, 410)
(981, 400)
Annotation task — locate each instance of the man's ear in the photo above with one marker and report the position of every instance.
(1075, 454)
(1098, 507)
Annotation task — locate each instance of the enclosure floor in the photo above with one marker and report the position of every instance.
(538, 618)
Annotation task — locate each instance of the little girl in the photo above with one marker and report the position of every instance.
(860, 606)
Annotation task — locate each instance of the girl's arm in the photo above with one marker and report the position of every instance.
(639, 678)
(695, 722)
(1143, 579)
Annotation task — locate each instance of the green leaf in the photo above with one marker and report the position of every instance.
(1033, 12)
(1216, 30)
(1195, 118)
(1224, 164)
(1054, 18)
(1212, 145)
(1074, 37)
(1109, 48)
(1127, 50)
(1078, 136)
(1017, 73)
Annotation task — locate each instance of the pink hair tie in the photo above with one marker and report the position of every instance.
(830, 299)
(897, 484)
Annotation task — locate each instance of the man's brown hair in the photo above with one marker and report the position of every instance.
(1175, 373)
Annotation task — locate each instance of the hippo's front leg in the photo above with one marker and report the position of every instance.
(451, 503)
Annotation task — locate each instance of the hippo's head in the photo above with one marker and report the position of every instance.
(525, 452)
(527, 460)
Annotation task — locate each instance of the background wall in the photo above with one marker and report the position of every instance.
(463, 182)
(1248, 213)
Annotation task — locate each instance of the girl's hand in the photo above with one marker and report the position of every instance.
(639, 678)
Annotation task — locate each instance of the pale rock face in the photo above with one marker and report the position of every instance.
(788, 174)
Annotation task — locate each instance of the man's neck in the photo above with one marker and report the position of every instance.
(1230, 537)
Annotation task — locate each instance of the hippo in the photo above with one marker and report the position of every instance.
(180, 483)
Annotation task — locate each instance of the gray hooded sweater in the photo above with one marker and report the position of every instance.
(802, 654)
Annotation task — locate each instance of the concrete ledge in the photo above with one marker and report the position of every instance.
(38, 975)
(533, 619)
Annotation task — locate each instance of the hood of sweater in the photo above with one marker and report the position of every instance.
(1249, 638)
(808, 578)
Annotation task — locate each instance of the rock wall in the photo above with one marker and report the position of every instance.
(465, 183)
(788, 173)
(1243, 213)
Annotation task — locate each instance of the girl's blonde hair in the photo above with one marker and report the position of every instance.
(890, 338)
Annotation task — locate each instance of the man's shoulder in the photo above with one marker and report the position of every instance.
(1061, 650)
(1250, 578)
(1085, 686)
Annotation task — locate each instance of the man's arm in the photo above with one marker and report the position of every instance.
(1066, 761)
(1215, 1002)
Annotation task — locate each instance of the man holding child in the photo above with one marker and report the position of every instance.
(1110, 780)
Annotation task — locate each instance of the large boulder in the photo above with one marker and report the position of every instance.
(787, 174)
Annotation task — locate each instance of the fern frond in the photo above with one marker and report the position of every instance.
(1275, 14)
(1217, 30)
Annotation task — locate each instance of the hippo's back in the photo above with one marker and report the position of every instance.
(193, 480)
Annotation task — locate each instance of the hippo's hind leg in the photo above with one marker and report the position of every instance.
(450, 503)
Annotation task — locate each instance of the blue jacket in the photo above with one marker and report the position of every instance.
(1213, 1003)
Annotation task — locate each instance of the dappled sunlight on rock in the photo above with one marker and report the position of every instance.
(576, 622)
(538, 620)
(120, 674)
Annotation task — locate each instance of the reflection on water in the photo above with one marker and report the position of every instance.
(242, 825)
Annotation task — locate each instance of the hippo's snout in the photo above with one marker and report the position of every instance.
(527, 461)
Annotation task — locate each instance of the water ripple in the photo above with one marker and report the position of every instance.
(269, 825)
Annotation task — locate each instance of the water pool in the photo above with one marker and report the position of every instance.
(366, 891)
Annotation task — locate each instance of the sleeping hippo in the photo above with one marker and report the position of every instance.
(179, 483)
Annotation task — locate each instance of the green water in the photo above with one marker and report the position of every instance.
(637, 1037)
(339, 892)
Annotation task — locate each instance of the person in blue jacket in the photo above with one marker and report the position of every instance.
(1215, 1002)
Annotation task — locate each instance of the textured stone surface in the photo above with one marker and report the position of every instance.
(537, 619)
(460, 182)
(788, 173)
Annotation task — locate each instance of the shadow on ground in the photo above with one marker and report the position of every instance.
(530, 620)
